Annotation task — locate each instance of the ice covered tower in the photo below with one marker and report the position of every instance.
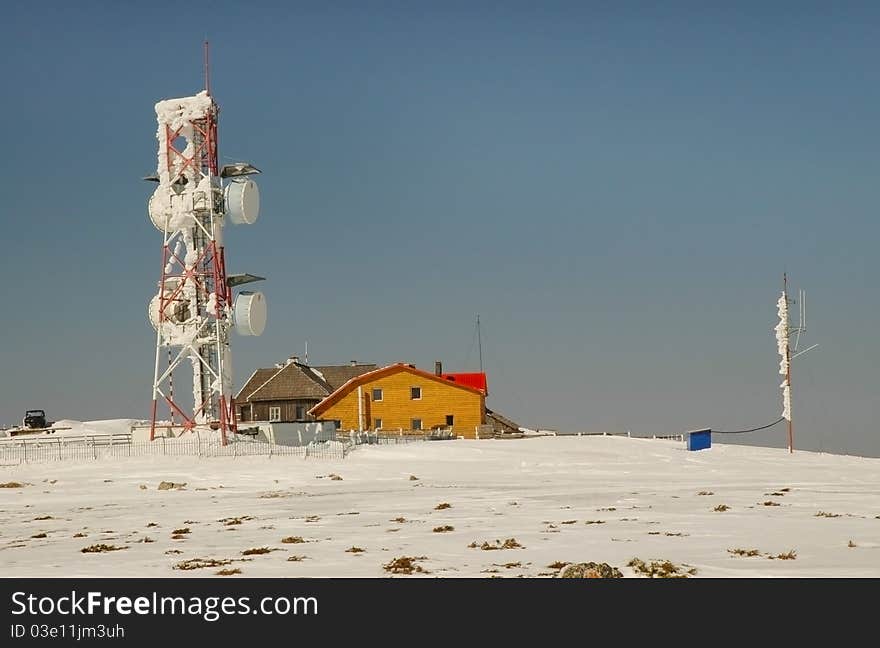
(194, 308)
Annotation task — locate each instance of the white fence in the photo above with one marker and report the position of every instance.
(107, 447)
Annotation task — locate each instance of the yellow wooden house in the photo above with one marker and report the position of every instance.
(401, 397)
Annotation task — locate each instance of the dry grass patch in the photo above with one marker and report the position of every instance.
(182, 531)
(13, 484)
(789, 555)
(444, 529)
(748, 553)
(594, 521)
(228, 572)
(721, 508)
(770, 503)
(405, 565)
(312, 518)
(557, 565)
(399, 520)
(274, 494)
(39, 535)
(201, 563)
(101, 548)
(79, 535)
(43, 517)
(232, 521)
(568, 522)
(296, 558)
(661, 568)
(256, 551)
(828, 515)
(851, 544)
(334, 477)
(442, 505)
(413, 478)
(509, 543)
(705, 493)
(354, 550)
(292, 540)
(166, 485)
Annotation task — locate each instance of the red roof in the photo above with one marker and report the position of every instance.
(475, 380)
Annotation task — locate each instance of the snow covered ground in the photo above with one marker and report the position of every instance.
(564, 499)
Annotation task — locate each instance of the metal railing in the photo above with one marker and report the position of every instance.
(98, 448)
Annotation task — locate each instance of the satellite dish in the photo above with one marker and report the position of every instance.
(249, 313)
(159, 209)
(242, 201)
(176, 311)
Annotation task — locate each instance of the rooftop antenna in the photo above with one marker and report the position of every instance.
(307, 352)
(479, 344)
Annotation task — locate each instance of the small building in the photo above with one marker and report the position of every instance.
(286, 392)
(401, 397)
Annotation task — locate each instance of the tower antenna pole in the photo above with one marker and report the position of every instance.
(788, 366)
(207, 69)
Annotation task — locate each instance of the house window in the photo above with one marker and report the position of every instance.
(377, 394)
(274, 413)
(416, 424)
(377, 423)
(300, 412)
(450, 420)
(415, 393)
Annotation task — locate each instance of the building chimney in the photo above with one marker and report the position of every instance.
(438, 368)
(292, 359)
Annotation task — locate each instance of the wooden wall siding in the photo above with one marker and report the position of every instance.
(397, 410)
(288, 409)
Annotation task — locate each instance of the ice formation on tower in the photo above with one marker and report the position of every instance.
(782, 345)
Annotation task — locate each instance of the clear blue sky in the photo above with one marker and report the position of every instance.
(616, 188)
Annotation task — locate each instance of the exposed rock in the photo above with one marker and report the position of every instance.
(590, 570)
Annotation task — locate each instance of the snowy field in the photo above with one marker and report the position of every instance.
(563, 499)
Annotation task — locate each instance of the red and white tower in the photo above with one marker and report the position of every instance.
(194, 308)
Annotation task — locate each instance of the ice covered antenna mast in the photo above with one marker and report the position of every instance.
(784, 330)
(194, 308)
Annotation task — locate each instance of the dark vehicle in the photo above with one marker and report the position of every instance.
(34, 419)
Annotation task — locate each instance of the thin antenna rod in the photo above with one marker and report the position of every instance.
(480, 344)
(207, 69)
(788, 367)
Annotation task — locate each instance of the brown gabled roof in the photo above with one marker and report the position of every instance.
(378, 373)
(337, 375)
(257, 380)
(291, 382)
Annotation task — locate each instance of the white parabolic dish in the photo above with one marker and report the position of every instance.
(249, 313)
(242, 201)
(158, 215)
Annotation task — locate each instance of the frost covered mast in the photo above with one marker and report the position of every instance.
(784, 331)
(194, 309)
